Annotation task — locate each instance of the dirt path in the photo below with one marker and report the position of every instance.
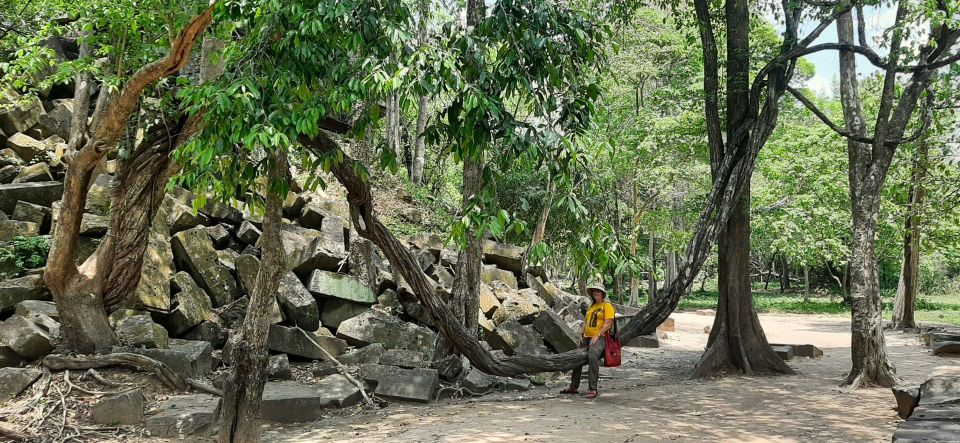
(652, 398)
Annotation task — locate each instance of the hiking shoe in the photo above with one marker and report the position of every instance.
(570, 391)
(592, 394)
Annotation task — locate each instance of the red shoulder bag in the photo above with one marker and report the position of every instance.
(611, 348)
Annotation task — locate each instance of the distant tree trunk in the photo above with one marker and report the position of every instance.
(652, 275)
(634, 278)
(784, 274)
(540, 230)
(465, 298)
(766, 281)
(240, 409)
(670, 267)
(806, 283)
(736, 338)
(419, 152)
(905, 302)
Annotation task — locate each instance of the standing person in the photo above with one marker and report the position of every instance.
(599, 320)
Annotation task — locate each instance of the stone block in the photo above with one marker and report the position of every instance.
(13, 381)
(295, 402)
(140, 331)
(184, 416)
(377, 327)
(402, 384)
(25, 338)
(193, 251)
(125, 408)
(38, 193)
(325, 284)
(336, 311)
(16, 290)
(300, 343)
(555, 331)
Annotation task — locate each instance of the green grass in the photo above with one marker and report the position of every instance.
(941, 308)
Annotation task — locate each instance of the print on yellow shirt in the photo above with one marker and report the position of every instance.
(596, 315)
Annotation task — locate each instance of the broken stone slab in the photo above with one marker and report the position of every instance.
(513, 338)
(803, 350)
(364, 355)
(907, 399)
(307, 254)
(153, 290)
(38, 193)
(57, 121)
(32, 213)
(19, 113)
(478, 381)
(119, 315)
(504, 256)
(33, 308)
(513, 384)
(219, 235)
(297, 304)
(643, 341)
(181, 217)
(785, 352)
(945, 347)
(327, 284)
(668, 325)
(488, 301)
(705, 312)
(378, 327)
(297, 342)
(404, 358)
(16, 290)
(293, 204)
(295, 402)
(555, 331)
(485, 324)
(311, 216)
(913, 431)
(13, 381)
(248, 233)
(490, 274)
(547, 291)
(403, 384)
(25, 338)
(193, 306)
(427, 242)
(940, 390)
(522, 306)
(140, 331)
(193, 251)
(933, 336)
(183, 416)
(37, 172)
(8, 173)
(188, 358)
(25, 146)
(278, 368)
(218, 210)
(231, 315)
(336, 231)
(10, 229)
(208, 331)
(125, 408)
(47, 324)
(363, 260)
(247, 267)
(946, 412)
(336, 311)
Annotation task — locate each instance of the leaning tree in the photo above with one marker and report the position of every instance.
(908, 71)
(111, 274)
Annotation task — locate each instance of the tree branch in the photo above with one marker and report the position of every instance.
(711, 82)
(823, 117)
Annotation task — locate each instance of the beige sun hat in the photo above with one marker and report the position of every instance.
(598, 286)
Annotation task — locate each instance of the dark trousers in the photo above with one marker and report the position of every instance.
(594, 354)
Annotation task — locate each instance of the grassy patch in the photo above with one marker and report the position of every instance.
(941, 308)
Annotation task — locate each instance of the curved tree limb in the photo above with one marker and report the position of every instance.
(169, 378)
(824, 118)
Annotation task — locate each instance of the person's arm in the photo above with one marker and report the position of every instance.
(607, 324)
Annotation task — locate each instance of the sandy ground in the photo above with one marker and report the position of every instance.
(652, 398)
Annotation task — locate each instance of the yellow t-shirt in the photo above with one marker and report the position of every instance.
(596, 315)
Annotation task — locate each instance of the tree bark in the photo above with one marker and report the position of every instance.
(652, 273)
(634, 278)
(419, 152)
(240, 410)
(78, 290)
(871, 366)
(905, 302)
(736, 339)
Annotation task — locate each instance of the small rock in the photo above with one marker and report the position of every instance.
(125, 408)
(294, 402)
(182, 416)
(188, 358)
(182, 217)
(17, 290)
(907, 399)
(784, 352)
(478, 381)
(643, 341)
(25, 146)
(366, 354)
(248, 233)
(19, 113)
(402, 384)
(668, 325)
(296, 341)
(707, 312)
(278, 368)
(140, 331)
(32, 213)
(25, 338)
(37, 172)
(488, 301)
(513, 384)
(13, 381)
(8, 173)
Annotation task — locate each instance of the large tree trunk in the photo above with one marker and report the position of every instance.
(736, 339)
(871, 366)
(905, 302)
(78, 290)
(465, 297)
(420, 149)
(652, 274)
(240, 410)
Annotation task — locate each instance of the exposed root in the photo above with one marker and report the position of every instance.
(458, 391)
(99, 378)
(203, 387)
(14, 435)
(169, 378)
